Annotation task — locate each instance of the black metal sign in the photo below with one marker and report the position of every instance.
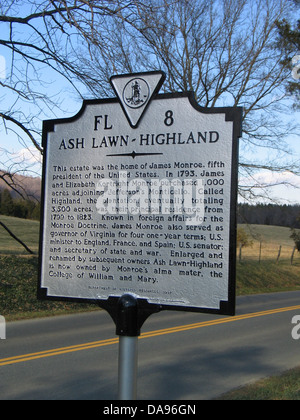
(139, 199)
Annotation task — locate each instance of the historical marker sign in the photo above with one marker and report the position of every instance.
(139, 196)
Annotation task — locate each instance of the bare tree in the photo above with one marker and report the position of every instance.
(41, 39)
(223, 50)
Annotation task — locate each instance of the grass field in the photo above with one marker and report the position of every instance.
(267, 240)
(26, 230)
(269, 234)
(18, 270)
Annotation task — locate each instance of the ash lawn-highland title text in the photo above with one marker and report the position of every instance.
(147, 139)
(91, 243)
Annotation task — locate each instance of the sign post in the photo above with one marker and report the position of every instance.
(139, 207)
(128, 332)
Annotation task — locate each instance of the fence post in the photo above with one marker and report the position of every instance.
(240, 253)
(279, 252)
(259, 258)
(292, 257)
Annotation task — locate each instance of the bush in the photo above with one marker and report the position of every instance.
(24, 209)
(243, 239)
(296, 238)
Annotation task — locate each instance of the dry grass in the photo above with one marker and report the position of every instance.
(268, 251)
(270, 243)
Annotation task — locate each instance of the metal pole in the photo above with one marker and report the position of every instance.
(128, 368)
(128, 331)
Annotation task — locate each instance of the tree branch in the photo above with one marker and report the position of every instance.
(26, 131)
(17, 239)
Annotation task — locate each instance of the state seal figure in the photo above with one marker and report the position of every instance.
(136, 93)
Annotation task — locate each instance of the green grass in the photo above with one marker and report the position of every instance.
(266, 277)
(26, 230)
(270, 234)
(281, 387)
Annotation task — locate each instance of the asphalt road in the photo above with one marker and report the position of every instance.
(182, 356)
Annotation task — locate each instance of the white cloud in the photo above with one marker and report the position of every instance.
(26, 160)
(283, 187)
(266, 178)
(27, 156)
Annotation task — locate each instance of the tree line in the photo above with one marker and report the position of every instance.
(259, 214)
(270, 214)
(18, 207)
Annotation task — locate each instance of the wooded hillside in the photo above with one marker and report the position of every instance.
(270, 214)
(20, 196)
(21, 186)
